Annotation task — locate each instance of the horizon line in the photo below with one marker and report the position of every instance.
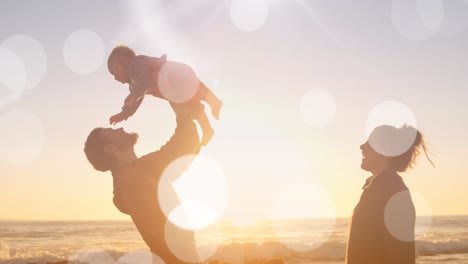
(222, 220)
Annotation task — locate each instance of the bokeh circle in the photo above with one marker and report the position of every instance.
(193, 192)
(395, 114)
(407, 210)
(83, 51)
(203, 249)
(417, 19)
(12, 71)
(177, 82)
(248, 15)
(33, 56)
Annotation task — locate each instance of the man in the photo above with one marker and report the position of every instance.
(136, 182)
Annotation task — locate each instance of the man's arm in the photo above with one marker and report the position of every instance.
(184, 141)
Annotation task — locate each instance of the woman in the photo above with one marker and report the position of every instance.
(382, 224)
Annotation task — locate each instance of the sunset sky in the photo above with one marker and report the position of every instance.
(269, 61)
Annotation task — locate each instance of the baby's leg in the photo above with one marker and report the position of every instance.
(205, 94)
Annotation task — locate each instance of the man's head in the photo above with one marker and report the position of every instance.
(104, 147)
(119, 62)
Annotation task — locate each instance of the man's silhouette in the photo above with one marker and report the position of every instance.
(136, 182)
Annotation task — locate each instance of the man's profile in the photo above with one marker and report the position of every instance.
(135, 181)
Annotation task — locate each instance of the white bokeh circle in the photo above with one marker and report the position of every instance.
(455, 19)
(83, 51)
(400, 217)
(91, 256)
(304, 200)
(140, 257)
(12, 71)
(203, 249)
(248, 15)
(33, 56)
(177, 82)
(318, 108)
(193, 198)
(395, 114)
(8, 96)
(432, 13)
(193, 215)
(417, 19)
(22, 136)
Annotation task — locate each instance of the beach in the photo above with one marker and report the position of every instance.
(295, 241)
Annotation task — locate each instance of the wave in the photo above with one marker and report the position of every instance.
(92, 256)
(5, 233)
(232, 253)
(254, 251)
(449, 246)
(236, 252)
(331, 251)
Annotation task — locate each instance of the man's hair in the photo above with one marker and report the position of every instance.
(121, 53)
(94, 150)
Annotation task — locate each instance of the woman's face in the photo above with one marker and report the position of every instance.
(371, 160)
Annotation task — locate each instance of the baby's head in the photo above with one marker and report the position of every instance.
(119, 62)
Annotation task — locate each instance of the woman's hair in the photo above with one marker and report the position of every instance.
(94, 150)
(408, 159)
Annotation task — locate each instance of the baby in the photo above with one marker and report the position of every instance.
(169, 80)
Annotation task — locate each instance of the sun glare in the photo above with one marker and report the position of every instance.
(242, 221)
(202, 188)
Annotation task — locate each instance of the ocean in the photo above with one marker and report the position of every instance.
(445, 240)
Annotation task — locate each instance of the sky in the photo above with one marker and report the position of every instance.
(302, 83)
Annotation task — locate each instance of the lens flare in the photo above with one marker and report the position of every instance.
(83, 51)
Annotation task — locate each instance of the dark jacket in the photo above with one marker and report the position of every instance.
(382, 225)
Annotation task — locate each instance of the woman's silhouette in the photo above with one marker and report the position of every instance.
(383, 221)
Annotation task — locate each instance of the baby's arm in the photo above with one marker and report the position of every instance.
(131, 105)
